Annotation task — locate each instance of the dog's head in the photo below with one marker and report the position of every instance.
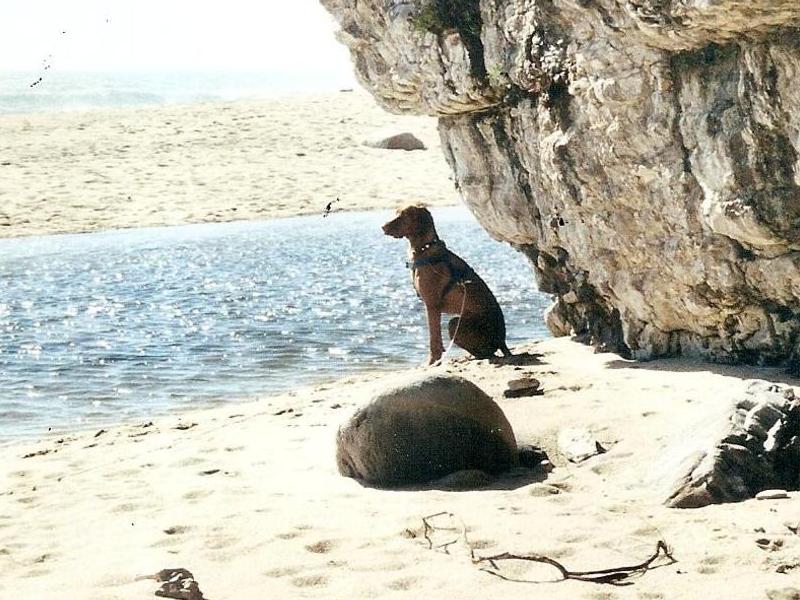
(410, 221)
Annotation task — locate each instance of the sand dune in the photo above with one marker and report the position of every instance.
(247, 497)
(108, 169)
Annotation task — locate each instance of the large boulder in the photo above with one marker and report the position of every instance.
(643, 154)
(424, 429)
(756, 447)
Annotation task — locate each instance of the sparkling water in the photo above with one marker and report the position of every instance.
(106, 327)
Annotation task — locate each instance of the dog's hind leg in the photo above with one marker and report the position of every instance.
(471, 335)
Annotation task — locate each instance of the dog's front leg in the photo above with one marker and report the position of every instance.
(434, 333)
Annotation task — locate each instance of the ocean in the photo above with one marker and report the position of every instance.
(106, 327)
(58, 90)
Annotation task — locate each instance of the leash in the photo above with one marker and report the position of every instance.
(463, 284)
(463, 281)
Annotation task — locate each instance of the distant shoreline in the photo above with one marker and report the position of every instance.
(121, 168)
(36, 91)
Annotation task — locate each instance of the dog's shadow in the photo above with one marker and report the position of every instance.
(525, 359)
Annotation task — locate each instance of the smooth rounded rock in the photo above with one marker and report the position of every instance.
(395, 141)
(424, 429)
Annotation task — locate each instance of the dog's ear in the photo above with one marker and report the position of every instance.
(422, 218)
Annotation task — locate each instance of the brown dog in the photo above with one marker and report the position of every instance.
(447, 284)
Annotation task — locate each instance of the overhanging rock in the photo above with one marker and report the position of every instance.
(643, 154)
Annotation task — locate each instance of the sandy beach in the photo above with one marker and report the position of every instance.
(66, 172)
(248, 498)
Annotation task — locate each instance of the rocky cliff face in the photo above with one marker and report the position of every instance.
(642, 153)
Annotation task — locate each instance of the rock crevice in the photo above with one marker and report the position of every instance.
(644, 155)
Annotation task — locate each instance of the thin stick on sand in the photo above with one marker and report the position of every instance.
(611, 576)
(429, 528)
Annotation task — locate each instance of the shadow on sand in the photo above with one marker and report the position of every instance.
(685, 365)
(511, 480)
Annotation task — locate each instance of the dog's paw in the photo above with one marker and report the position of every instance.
(434, 360)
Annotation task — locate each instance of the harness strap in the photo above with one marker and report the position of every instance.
(457, 276)
(421, 262)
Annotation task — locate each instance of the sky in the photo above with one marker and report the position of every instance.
(295, 36)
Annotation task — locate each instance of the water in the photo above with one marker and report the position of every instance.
(82, 91)
(105, 327)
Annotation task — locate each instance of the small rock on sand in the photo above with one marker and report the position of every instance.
(395, 141)
(772, 495)
(578, 445)
(179, 584)
(526, 386)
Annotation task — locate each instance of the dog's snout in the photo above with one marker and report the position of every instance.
(390, 228)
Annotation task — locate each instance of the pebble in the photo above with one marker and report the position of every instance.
(769, 545)
(772, 495)
(523, 383)
(578, 445)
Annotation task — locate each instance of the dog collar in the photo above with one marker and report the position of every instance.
(428, 246)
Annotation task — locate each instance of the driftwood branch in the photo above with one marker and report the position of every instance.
(613, 576)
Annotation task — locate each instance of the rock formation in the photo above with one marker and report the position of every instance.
(642, 153)
(423, 430)
(757, 448)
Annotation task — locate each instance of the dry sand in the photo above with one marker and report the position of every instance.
(109, 169)
(248, 498)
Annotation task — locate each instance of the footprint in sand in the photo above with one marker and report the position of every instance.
(322, 547)
(220, 542)
(193, 495)
(37, 573)
(310, 581)
(282, 572)
(603, 596)
(646, 531)
(402, 585)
